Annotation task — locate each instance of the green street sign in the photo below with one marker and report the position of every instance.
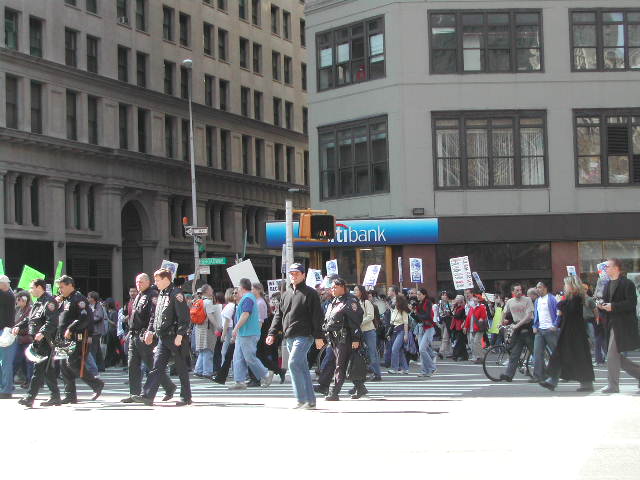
(213, 261)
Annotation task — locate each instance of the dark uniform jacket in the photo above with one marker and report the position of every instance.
(172, 313)
(343, 319)
(622, 317)
(43, 318)
(75, 315)
(300, 313)
(143, 310)
(7, 309)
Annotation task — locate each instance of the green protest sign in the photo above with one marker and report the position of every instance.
(56, 277)
(1, 267)
(29, 274)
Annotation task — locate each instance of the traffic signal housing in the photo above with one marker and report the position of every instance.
(317, 226)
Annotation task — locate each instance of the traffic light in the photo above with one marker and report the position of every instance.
(316, 226)
(201, 245)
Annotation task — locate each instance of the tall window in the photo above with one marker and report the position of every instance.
(223, 93)
(35, 202)
(277, 111)
(255, 12)
(245, 101)
(185, 140)
(92, 6)
(257, 58)
(479, 150)
(184, 82)
(303, 76)
(242, 9)
(351, 54)
(246, 152)
(487, 42)
(222, 5)
(605, 40)
(72, 115)
(286, 25)
(123, 125)
(305, 120)
(207, 33)
(225, 149)
(185, 29)
(169, 136)
(35, 37)
(288, 70)
(167, 23)
(275, 20)
(169, 75)
(288, 115)
(275, 66)
(608, 147)
(70, 47)
(303, 34)
(143, 128)
(36, 107)
(259, 156)
(291, 165)
(305, 168)
(141, 15)
(354, 158)
(278, 153)
(244, 53)
(92, 54)
(123, 63)
(92, 119)
(11, 29)
(257, 105)
(11, 101)
(208, 90)
(141, 69)
(210, 145)
(122, 9)
(223, 45)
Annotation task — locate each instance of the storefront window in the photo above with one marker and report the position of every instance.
(373, 256)
(347, 264)
(592, 253)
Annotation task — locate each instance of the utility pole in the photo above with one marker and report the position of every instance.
(188, 63)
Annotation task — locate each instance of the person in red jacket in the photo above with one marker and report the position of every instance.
(476, 323)
(457, 325)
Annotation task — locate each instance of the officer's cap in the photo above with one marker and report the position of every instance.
(296, 267)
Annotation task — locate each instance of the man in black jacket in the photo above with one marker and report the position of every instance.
(300, 318)
(620, 308)
(7, 319)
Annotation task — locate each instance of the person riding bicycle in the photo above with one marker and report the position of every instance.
(521, 309)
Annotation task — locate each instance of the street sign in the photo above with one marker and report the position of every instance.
(205, 270)
(213, 261)
(191, 231)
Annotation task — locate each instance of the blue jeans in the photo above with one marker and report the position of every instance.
(371, 341)
(427, 353)
(204, 364)
(244, 357)
(7, 355)
(90, 364)
(540, 342)
(298, 348)
(398, 358)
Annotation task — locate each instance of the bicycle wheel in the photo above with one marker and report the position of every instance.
(524, 362)
(495, 361)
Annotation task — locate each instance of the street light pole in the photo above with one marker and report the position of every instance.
(188, 63)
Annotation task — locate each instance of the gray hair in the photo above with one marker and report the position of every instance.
(245, 284)
(257, 286)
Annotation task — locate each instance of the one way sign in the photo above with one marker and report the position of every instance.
(192, 231)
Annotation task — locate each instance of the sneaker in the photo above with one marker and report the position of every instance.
(391, 371)
(608, 389)
(332, 398)
(127, 400)
(548, 385)
(405, 372)
(142, 399)
(299, 405)
(254, 383)
(238, 386)
(266, 381)
(361, 394)
(309, 406)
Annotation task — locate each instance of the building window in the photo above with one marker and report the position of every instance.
(208, 90)
(245, 101)
(305, 168)
(351, 54)
(143, 128)
(91, 207)
(71, 3)
(184, 82)
(207, 34)
(167, 23)
(169, 136)
(607, 147)
(225, 149)
(487, 42)
(123, 63)
(278, 152)
(141, 15)
(305, 120)
(72, 116)
(288, 115)
(11, 29)
(123, 125)
(277, 111)
(255, 12)
(242, 9)
(35, 202)
(259, 156)
(141, 69)
(303, 34)
(246, 153)
(185, 140)
(605, 40)
(291, 165)
(244, 53)
(286, 25)
(18, 204)
(210, 145)
(223, 46)
(223, 93)
(479, 150)
(288, 70)
(122, 10)
(354, 158)
(36, 107)
(185, 29)
(92, 54)
(35, 37)
(11, 101)
(275, 66)
(169, 73)
(257, 105)
(92, 6)
(92, 119)
(275, 20)
(222, 5)
(70, 47)
(257, 58)
(303, 76)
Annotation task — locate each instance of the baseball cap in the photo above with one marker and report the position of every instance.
(4, 279)
(338, 281)
(296, 267)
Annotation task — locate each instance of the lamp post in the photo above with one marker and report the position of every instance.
(188, 64)
(288, 211)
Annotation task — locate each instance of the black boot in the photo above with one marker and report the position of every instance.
(334, 395)
(26, 401)
(52, 402)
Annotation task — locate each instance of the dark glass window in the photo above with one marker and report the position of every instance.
(257, 105)
(167, 23)
(255, 12)
(223, 46)
(288, 70)
(123, 63)
(288, 115)
(245, 101)
(246, 153)
(303, 76)
(275, 66)
(123, 125)
(72, 115)
(141, 15)
(11, 29)
(242, 9)
(208, 90)
(36, 107)
(35, 37)
(184, 82)
(277, 111)
(185, 140)
(259, 156)
(278, 153)
(11, 101)
(70, 47)
(92, 119)
(305, 168)
(275, 20)
(122, 9)
(169, 136)
(169, 73)
(291, 165)
(223, 93)
(185, 29)
(92, 54)
(225, 149)
(303, 35)
(141, 69)
(210, 145)
(92, 6)
(207, 32)
(305, 120)
(244, 53)
(286, 25)
(143, 128)
(257, 58)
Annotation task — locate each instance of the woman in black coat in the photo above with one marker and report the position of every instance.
(571, 360)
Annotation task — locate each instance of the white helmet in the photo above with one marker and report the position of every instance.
(7, 337)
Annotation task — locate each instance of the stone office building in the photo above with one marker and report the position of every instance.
(516, 125)
(94, 129)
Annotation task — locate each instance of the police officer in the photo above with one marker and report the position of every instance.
(170, 324)
(142, 310)
(75, 325)
(42, 324)
(342, 327)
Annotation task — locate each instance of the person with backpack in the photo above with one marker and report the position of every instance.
(206, 321)
(369, 335)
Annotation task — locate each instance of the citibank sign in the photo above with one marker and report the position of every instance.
(366, 232)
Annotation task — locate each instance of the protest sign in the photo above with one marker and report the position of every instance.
(314, 278)
(171, 266)
(415, 270)
(332, 267)
(371, 276)
(242, 270)
(274, 286)
(571, 271)
(461, 273)
(29, 274)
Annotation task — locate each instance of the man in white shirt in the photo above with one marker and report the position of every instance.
(545, 329)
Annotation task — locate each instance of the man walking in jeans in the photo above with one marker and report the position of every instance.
(521, 309)
(300, 318)
(545, 328)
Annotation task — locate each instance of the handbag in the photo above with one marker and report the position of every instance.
(358, 364)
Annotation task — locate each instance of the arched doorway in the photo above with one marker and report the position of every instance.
(131, 249)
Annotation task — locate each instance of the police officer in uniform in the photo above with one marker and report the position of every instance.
(41, 324)
(75, 325)
(141, 315)
(342, 327)
(170, 324)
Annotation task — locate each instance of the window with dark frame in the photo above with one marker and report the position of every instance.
(303, 34)
(607, 145)
(141, 15)
(91, 6)
(70, 47)
(245, 101)
(351, 54)
(492, 41)
(123, 125)
(278, 153)
(209, 97)
(11, 29)
(207, 34)
(143, 128)
(257, 58)
(169, 74)
(185, 29)
(184, 82)
(305, 120)
(246, 152)
(141, 69)
(169, 136)
(277, 112)
(122, 8)
(275, 20)
(286, 25)
(11, 102)
(259, 157)
(92, 119)
(305, 168)
(291, 165)
(288, 70)
(495, 149)
(168, 14)
(244, 53)
(257, 105)
(605, 39)
(186, 145)
(275, 66)
(72, 115)
(210, 145)
(255, 12)
(242, 9)
(303, 76)
(222, 5)
(35, 37)
(223, 93)
(225, 149)
(354, 158)
(92, 54)
(288, 115)
(36, 107)
(123, 63)
(223, 47)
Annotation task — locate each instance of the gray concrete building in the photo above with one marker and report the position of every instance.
(514, 124)
(94, 128)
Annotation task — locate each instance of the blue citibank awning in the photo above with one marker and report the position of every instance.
(397, 231)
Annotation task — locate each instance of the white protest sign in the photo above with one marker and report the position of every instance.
(602, 270)
(415, 270)
(491, 297)
(571, 271)
(371, 276)
(399, 269)
(332, 267)
(325, 282)
(461, 273)
(242, 270)
(171, 266)
(314, 278)
(274, 286)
